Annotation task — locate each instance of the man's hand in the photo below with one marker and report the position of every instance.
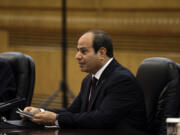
(32, 110)
(46, 118)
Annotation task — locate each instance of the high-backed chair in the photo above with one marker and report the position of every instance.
(178, 67)
(159, 80)
(24, 71)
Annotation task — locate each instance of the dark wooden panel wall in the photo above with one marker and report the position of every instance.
(140, 29)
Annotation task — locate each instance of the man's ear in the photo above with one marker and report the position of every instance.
(102, 51)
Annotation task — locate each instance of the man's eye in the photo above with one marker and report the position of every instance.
(84, 51)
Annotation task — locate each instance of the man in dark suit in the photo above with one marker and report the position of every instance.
(7, 81)
(115, 101)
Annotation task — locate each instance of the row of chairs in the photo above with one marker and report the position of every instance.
(159, 78)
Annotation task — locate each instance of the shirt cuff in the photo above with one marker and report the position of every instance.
(42, 110)
(56, 123)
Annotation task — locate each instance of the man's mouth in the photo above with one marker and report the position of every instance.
(81, 64)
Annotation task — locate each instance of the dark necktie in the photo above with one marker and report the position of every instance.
(92, 91)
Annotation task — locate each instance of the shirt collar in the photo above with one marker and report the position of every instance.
(100, 71)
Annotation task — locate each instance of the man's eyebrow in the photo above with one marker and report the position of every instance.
(82, 48)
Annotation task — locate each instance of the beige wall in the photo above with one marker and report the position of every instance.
(139, 30)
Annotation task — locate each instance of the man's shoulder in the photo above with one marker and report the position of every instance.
(118, 73)
(122, 74)
(118, 69)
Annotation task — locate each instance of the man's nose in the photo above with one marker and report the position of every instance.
(78, 55)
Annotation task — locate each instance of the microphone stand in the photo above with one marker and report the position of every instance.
(63, 85)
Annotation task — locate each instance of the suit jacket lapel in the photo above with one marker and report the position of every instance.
(86, 94)
(102, 80)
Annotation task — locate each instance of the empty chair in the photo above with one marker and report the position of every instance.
(159, 80)
(24, 72)
(178, 66)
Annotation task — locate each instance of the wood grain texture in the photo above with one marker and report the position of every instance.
(139, 29)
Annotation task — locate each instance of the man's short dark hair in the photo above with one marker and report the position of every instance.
(102, 39)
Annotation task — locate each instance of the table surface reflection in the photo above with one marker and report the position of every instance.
(64, 132)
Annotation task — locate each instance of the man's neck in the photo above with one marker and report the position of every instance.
(100, 71)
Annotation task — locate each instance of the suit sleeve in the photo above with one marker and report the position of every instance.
(119, 98)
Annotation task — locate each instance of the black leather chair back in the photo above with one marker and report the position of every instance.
(159, 80)
(24, 71)
(178, 67)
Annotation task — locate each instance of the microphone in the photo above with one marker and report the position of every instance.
(11, 104)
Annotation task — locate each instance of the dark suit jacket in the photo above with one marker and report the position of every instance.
(7, 81)
(118, 102)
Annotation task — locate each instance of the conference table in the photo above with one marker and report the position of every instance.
(65, 132)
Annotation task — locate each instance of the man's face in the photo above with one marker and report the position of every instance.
(88, 60)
